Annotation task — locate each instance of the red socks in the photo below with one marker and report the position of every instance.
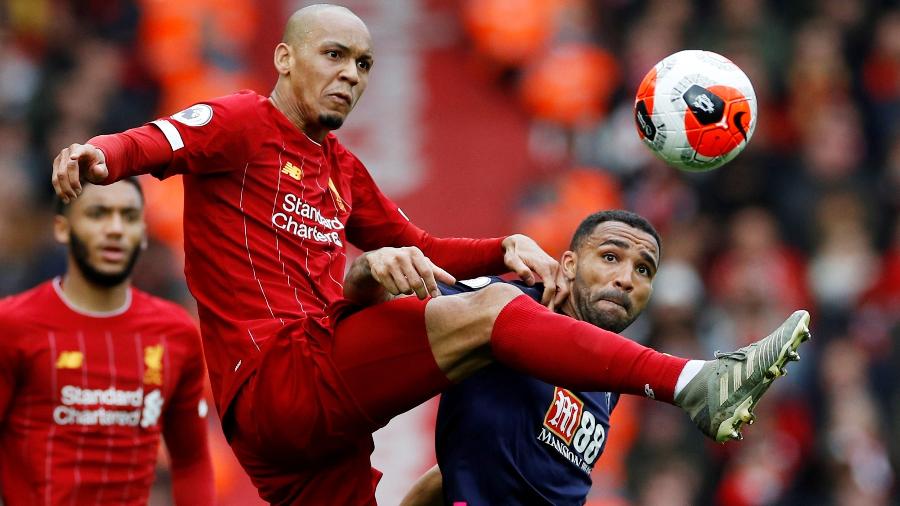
(574, 354)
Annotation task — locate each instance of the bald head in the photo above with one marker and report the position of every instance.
(311, 18)
(323, 65)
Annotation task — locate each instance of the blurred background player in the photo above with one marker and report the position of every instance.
(92, 371)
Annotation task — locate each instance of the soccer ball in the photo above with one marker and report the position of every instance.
(695, 110)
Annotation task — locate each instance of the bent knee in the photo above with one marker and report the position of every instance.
(484, 305)
(471, 314)
(459, 327)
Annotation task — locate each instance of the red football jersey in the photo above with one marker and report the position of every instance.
(268, 213)
(84, 396)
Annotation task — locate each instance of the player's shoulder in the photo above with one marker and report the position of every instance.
(229, 109)
(22, 313)
(13, 308)
(244, 99)
(162, 310)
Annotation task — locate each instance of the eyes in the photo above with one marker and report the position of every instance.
(364, 63)
(641, 267)
(129, 215)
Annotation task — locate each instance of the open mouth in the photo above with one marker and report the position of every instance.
(112, 254)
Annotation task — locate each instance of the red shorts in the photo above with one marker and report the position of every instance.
(302, 424)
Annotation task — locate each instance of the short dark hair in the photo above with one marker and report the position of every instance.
(587, 226)
(61, 208)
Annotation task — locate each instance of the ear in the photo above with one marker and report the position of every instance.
(61, 228)
(284, 58)
(569, 264)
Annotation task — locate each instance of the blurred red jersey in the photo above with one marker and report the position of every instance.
(267, 216)
(85, 396)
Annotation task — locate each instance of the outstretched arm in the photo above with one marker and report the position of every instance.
(108, 158)
(165, 147)
(517, 253)
(376, 222)
(376, 276)
(427, 490)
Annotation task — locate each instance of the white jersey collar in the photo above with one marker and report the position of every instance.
(57, 287)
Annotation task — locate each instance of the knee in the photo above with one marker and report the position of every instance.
(470, 314)
(460, 328)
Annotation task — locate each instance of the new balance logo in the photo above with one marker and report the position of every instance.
(293, 171)
(70, 360)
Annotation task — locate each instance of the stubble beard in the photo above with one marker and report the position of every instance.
(331, 121)
(80, 254)
(590, 314)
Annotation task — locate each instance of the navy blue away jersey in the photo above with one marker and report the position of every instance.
(503, 437)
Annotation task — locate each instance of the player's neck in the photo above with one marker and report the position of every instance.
(290, 110)
(87, 296)
(568, 308)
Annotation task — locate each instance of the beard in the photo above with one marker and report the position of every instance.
(331, 121)
(79, 252)
(589, 312)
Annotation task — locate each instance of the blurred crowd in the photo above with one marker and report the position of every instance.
(806, 217)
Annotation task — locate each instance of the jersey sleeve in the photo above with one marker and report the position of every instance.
(206, 138)
(377, 222)
(185, 430)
